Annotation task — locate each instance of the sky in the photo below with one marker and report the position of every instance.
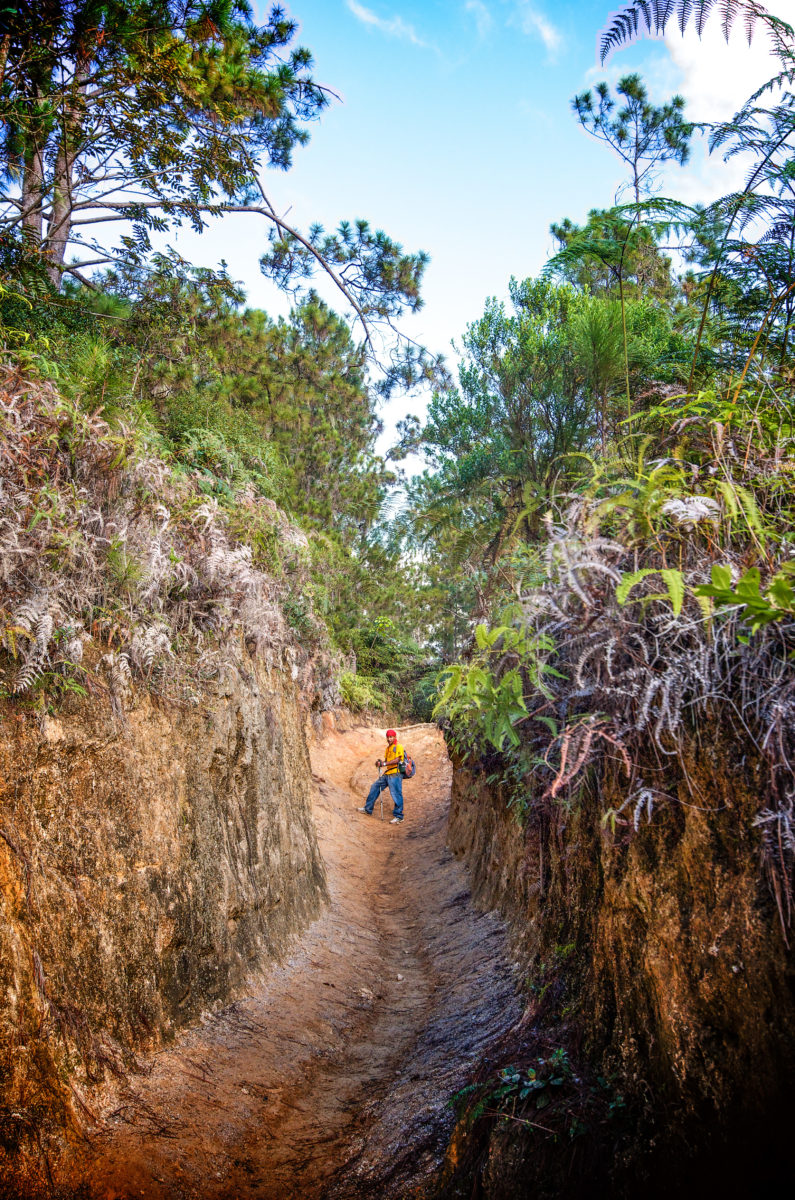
(454, 134)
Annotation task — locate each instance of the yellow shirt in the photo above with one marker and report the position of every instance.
(393, 754)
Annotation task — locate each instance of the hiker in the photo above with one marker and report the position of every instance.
(392, 778)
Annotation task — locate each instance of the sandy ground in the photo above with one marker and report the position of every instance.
(333, 1078)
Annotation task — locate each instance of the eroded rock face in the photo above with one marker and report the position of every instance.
(659, 952)
(147, 867)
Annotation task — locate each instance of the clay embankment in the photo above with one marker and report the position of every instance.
(333, 1078)
(148, 865)
(657, 950)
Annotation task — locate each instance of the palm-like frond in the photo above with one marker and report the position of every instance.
(641, 17)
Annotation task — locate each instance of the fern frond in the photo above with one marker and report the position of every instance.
(653, 16)
(148, 644)
(27, 676)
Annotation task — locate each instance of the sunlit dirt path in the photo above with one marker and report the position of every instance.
(332, 1079)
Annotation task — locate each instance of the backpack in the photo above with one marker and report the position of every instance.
(409, 768)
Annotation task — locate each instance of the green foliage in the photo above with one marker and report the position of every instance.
(154, 115)
(360, 693)
(497, 445)
(424, 694)
(482, 704)
(758, 608)
(537, 1081)
(643, 136)
(389, 663)
(614, 252)
(527, 1090)
(474, 701)
(124, 569)
(302, 382)
(298, 614)
(673, 580)
(377, 646)
(222, 469)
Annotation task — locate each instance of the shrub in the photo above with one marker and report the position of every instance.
(360, 692)
(424, 695)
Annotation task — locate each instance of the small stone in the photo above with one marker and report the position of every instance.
(400, 977)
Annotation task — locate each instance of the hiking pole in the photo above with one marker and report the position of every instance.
(381, 794)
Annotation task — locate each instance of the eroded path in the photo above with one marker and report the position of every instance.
(332, 1079)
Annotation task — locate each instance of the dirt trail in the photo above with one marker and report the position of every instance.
(332, 1079)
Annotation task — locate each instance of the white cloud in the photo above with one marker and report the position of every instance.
(531, 20)
(391, 26)
(482, 16)
(716, 79)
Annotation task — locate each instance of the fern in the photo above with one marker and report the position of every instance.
(653, 16)
(672, 579)
(73, 647)
(128, 550)
(27, 675)
(147, 645)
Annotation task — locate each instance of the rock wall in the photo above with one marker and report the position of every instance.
(658, 954)
(148, 865)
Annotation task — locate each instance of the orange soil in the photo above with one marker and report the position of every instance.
(332, 1078)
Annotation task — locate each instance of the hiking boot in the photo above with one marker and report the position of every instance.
(364, 810)
(396, 821)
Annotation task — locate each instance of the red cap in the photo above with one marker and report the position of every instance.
(391, 733)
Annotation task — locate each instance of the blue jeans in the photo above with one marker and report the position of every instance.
(395, 785)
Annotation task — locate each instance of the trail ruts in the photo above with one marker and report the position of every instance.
(332, 1079)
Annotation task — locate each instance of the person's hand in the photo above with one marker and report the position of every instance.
(378, 763)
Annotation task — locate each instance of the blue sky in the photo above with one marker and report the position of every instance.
(454, 134)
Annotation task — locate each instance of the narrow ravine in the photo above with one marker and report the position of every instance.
(333, 1077)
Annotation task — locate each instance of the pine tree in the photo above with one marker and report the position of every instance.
(153, 114)
(643, 136)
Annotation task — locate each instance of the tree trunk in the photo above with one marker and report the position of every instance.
(5, 45)
(32, 195)
(60, 221)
